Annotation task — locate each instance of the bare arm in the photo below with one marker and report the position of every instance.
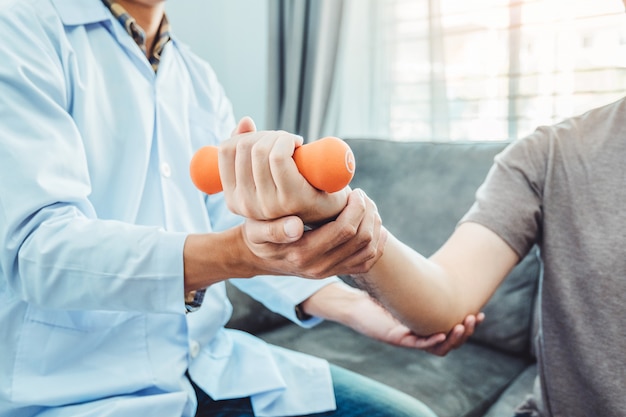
(261, 182)
(356, 309)
(432, 295)
(351, 243)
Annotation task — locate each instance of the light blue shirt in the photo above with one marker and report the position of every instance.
(95, 205)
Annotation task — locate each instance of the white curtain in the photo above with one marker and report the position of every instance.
(473, 69)
(302, 63)
(357, 105)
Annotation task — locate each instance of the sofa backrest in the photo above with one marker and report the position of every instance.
(422, 189)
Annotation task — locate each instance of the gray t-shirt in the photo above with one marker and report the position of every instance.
(564, 188)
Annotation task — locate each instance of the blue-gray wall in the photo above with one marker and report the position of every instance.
(232, 35)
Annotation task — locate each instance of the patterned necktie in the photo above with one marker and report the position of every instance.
(139, 35)
(162, 38)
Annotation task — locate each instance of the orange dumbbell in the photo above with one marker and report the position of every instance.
(327, 164)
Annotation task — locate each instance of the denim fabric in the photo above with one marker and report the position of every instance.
(356, 396)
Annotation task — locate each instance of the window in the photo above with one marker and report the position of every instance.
(486, 69)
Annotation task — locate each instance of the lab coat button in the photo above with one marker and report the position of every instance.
(194, 348)
(166, 171)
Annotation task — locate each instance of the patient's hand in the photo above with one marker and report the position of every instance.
(456, 337)
(357, 310)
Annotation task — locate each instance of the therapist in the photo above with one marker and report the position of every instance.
(112, 268)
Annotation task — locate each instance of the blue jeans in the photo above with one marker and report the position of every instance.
(356, 396)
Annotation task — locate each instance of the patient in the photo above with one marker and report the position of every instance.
(561, 188)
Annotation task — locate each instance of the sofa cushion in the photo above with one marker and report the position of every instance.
(514, 395)
(422, 189)
(510, 311)
(454, 385)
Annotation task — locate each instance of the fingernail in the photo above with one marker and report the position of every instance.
(292, 228)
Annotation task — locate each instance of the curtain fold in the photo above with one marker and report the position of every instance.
(303, 43)
(439, 103)
(359, 106)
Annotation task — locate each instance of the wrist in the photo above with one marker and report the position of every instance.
(335, 302)
(213, 257)
(301, 313)
(326, 209)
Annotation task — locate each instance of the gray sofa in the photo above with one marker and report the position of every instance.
(422, 190)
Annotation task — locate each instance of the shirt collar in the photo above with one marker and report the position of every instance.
(84, 12)
(81, 12)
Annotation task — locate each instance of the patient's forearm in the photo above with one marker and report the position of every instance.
(419, 292)
(432, 295)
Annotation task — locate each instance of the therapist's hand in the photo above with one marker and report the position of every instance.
(354, 308)
(261, 180)
(354, 241)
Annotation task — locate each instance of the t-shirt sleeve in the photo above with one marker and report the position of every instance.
(509, 202)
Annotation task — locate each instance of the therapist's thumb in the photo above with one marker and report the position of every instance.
(284, 230)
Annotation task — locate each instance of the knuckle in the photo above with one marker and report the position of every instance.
(368, 253)
(303, 263)
(232, 207)
(259, 149)
(347, 231)
(366, 240)
(226, 150)
(373, 204)
(375, 251)
(378, 221)
(265, 213)
(370, 261)
(245, 145)
(365, 267)
(277, 158)
(270, 212)
(248, 210)
(290, 205)
(319, 273)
